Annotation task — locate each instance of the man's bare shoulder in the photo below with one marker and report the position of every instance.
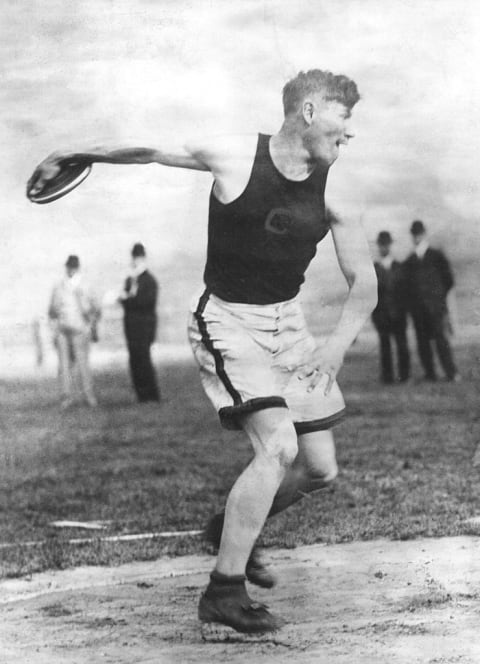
(222, 150)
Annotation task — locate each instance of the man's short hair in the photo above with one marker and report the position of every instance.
(333, 87)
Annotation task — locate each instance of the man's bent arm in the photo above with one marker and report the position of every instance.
(356, 264)
(354, 258)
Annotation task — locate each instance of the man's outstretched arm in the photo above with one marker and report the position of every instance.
(48, 169)
(228, 158)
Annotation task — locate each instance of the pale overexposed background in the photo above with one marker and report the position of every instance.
(138, 72)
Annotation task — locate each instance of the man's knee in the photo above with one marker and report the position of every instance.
(281, 444)
(274, 438)
(322, 478)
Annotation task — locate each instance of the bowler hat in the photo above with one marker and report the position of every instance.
(73, 262)
(417, 227)
(384, 237)
(138, 250)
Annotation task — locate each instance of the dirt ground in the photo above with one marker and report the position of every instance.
(364, 602)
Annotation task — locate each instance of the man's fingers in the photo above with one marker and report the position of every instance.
(329, 385)
(40, 176)
(32, 184)
(317, 377)
(306, 371)
(36, 182)
(37, 186)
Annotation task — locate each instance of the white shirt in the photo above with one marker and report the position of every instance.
(386, 261)
(421, 248)
(136, 271)
(71, 304)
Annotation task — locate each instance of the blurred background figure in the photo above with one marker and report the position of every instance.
(74, 313)
(390, 314)
(38, 341)
(139, 301)
(429, 281)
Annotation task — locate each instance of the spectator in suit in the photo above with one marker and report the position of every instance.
(139, 301)
(74, 313)
(429, 280)
(390, 316)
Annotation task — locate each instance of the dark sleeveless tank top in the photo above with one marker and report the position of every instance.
(260, 244)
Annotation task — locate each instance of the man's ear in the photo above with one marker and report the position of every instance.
(308, 109)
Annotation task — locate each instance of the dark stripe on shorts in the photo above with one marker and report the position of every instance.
(229, 415)
(217, 356)
(319, 425)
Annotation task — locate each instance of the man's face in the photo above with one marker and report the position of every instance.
(137, 261)
(330, 127)
(384, 249)
(417, 238)
(71, 271)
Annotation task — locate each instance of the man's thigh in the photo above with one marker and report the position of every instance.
(80, 344)
(235, 368)
(424, 324)
(66, 350)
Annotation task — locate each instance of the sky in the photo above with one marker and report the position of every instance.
(77, 74)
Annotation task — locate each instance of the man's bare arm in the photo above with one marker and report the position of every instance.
(354, 258)
(230, 159)
(49, 168)
(356, 263)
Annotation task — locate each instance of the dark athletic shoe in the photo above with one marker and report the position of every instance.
(255, 571)
(230, 605)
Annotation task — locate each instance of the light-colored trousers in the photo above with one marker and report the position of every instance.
(73, 350)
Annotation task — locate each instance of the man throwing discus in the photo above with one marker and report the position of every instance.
(258, 363)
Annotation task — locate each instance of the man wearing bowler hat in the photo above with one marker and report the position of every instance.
(139, 301)
(390, 315)
(429, 280)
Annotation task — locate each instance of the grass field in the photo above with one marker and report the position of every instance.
(405, 454)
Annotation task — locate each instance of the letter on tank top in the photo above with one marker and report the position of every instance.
(260, 244)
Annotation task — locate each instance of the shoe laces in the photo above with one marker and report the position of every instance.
(257, 606)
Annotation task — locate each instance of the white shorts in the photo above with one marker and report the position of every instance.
(249, 357)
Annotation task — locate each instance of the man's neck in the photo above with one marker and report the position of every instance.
(289, 154)
(139, 268)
